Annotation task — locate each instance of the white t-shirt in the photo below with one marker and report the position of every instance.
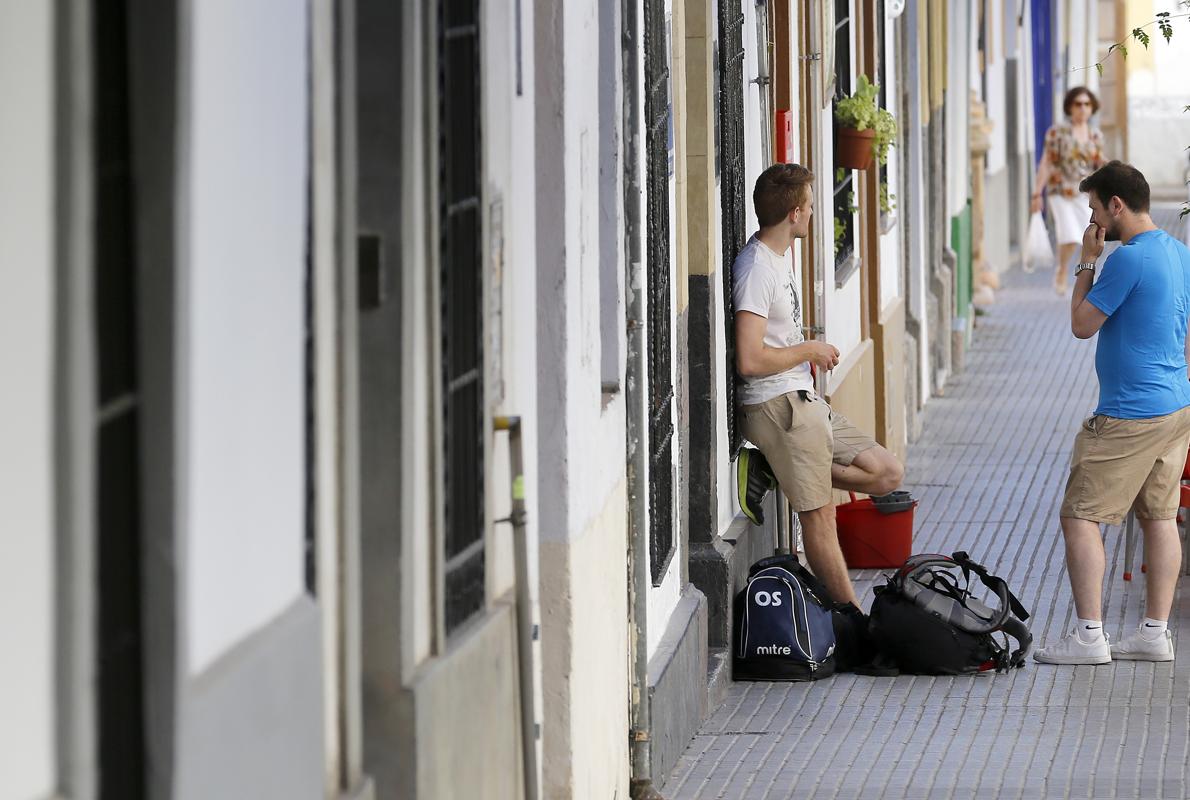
(764, 283)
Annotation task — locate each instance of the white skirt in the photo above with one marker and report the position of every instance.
(1071, 216)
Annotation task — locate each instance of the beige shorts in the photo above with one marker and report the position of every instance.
(1122, 464)
(800, 439)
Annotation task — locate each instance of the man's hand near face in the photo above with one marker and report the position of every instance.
(1086, 319)
(1093, 238)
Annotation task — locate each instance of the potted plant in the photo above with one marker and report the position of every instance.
(865, 129)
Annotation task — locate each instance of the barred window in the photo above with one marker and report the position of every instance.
(460, 263)
(660, 389)
(730, 157)
(844, 182)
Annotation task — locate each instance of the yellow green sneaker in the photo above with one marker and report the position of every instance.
(754, 478)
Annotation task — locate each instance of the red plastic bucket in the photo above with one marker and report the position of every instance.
(872, 539)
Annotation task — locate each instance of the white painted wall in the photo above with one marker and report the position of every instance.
(26, 404)
(890, 242)
(996, 98)
(912, 204)
(1158, 126)
(242, 379)
(510, 344)
(753, 124)
(1024, 52)
(418, 511)
(958, 108)
(583, 526)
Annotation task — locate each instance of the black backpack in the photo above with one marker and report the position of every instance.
(783, 625)
(927, 622)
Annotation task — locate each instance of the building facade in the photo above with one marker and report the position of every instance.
(372, 424)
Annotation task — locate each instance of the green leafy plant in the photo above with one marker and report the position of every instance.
(888, 201)
(840, 232)
(862, 112)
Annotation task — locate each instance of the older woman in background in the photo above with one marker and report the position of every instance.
(1072, 152)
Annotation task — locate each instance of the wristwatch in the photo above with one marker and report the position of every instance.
(1085, 265)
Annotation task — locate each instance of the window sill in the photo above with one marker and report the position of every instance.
(844, 271)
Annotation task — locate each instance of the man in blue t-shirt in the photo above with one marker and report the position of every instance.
(1130, 453)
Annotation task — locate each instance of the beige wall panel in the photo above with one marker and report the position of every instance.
(585, 658)
(890, 357)
(468, 716)
(853, 391)
(701, 196)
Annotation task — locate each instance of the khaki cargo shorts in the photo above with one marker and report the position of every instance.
(1122, 464)
(800, 439)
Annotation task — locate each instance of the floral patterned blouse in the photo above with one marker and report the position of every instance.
(1071, 160)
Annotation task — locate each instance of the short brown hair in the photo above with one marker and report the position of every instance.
(1073, 94)
(1117, 179)
(780, 189)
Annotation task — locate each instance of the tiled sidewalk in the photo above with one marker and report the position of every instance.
(989, 471)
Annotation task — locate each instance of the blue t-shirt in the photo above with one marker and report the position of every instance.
(1141, 354)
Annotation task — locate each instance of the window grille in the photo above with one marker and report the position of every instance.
(120, 646)
(733, 197)
(461, 277)
(844, 183)
(660, 393)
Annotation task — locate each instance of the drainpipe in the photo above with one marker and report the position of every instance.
(637, 425)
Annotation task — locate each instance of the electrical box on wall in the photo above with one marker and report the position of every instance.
(784, 137)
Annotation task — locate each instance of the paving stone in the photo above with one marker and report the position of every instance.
(988, 471)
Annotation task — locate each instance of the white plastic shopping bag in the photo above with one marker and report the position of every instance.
(1038, 252)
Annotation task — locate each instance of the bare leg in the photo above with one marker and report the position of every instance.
(1065, 254)
(821, 540)
(1085, 562)
(874, 471)
(1163, 554)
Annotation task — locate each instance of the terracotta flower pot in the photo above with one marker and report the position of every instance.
(854, 148)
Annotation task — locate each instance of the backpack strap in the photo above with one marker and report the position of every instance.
(1024, 639)
(1013, 624)
(991, 581)
(784, 560)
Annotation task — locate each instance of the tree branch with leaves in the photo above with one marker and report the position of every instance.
(1164, 22)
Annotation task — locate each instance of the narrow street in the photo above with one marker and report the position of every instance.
(989, 471)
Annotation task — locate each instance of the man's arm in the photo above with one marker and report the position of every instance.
(1085, 318)
(755, 359)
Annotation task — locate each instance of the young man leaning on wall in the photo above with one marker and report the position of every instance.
(803, 446)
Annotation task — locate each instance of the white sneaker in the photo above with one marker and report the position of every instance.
(1136, 647)
(1071, 650)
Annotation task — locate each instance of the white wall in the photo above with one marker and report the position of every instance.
(957, 108)
(1158, 126)
(890, 243)
(583, 520)
(753, 130)
(242, 375)
(509, 141)
(996, 98)
(26, 404)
